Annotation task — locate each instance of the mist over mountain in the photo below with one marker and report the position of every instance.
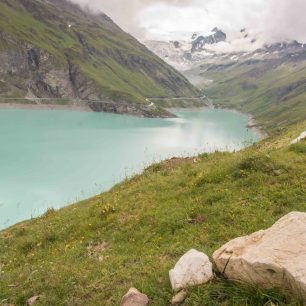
(273, 20)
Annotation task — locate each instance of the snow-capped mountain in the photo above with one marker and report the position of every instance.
(216, 47)
(200, 42)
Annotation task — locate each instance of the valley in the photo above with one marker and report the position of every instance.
(185, 159)
(268, 82)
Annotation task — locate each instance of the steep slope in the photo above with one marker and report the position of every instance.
(53, 49)
(269, 83)
(91, 253)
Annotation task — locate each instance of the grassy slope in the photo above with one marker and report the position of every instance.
(262, 100)
(149, 221)
(106, 56)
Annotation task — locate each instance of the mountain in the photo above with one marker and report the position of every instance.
(185, 54)
(91, 252)
(267, 80)
(54, 49)
(201, 41)
(269, 83)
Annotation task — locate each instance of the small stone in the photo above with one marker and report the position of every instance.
(32, 300)
(179, 298)
(134, 298)
(277, 172)
(194, 268)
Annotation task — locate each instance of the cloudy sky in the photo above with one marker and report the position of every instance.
(176, 19)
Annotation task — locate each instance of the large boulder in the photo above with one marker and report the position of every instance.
(134, 298)
(194, 268)
(272, 258)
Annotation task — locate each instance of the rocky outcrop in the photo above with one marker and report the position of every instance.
(139, 110)
(194, 268)
(300, 138)
(25, 68)
(134, 298)
(199, 43)
(272, 258)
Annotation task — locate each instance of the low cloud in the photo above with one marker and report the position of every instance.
(285, 19)
(274, 20)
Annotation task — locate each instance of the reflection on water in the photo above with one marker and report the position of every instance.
(53, 158)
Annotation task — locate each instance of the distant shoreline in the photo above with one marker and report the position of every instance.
(186, 109)
(252, 124)
(44, 107)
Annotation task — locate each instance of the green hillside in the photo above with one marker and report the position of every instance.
(54, 49)
(275, 93)
(91, 253)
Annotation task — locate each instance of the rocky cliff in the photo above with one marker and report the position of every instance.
(200, 42)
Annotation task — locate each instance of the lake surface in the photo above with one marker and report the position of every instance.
(50, 158)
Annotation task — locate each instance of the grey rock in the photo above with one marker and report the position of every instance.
(199, 43)
(272, 258)
(179, 298)
(300, 138)
(32, 300)
(134, 298)
(194, 268)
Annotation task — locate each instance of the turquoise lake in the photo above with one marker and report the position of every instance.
(51, 158)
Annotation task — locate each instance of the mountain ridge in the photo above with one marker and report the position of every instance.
(268, 81)
(54, 49)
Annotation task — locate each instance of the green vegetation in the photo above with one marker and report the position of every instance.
(275, 95)
(92, 252)
(113, 63)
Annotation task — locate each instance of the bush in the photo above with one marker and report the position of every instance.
(258, 163)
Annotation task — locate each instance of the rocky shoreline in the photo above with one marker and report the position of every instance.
(71, 107)
(256, 128)
(124, 109)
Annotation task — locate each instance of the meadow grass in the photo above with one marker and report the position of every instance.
(92, 252)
